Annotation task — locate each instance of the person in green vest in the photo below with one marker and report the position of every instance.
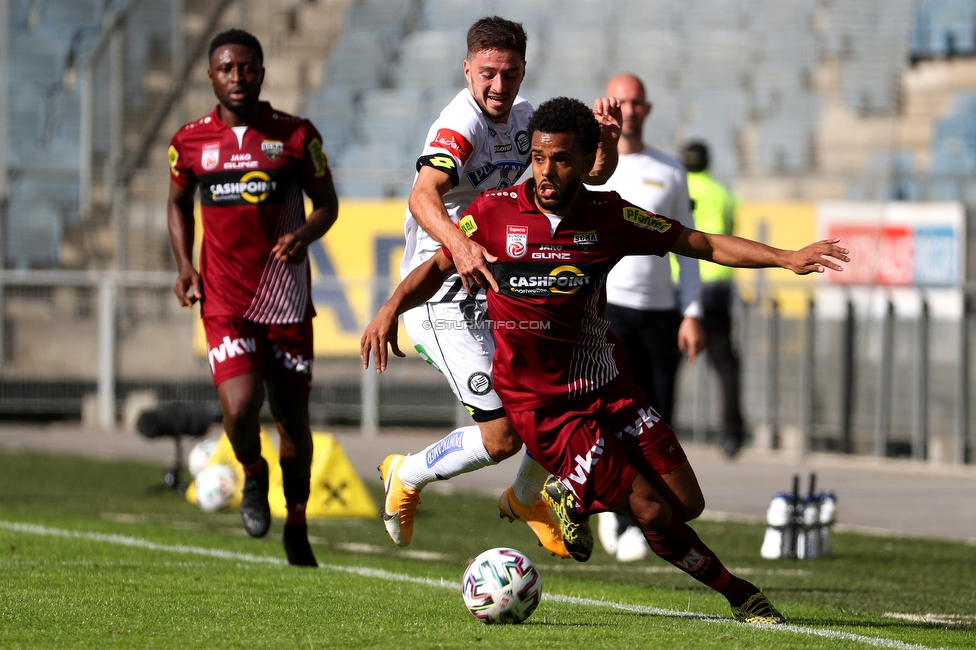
(714, 210)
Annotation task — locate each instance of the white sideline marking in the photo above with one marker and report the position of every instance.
(937, 619)
(135, 542)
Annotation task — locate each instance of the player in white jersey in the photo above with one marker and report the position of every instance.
(478, 143)
(655, 324)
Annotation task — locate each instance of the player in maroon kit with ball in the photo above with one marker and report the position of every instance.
(561, 375)
(252, 164)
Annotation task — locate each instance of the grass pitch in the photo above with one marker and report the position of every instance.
(89, 558)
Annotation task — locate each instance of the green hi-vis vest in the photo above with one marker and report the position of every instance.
(714, 209)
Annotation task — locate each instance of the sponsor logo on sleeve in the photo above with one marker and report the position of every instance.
(210, 157)
(174, 157)
(319, 161)
(516, 241)
(273, 149)
(585, 239)
(645, 219)
(454, 142)
(467, 225)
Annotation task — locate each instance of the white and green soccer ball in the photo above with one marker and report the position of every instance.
(200, 455)
(215, 486)
(501, 585)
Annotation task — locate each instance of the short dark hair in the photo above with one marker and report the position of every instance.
(694, 156)
(565, 115)
(236, 37)
(496, 32)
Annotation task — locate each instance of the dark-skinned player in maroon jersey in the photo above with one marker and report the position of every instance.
(252, 164)
(561, 375)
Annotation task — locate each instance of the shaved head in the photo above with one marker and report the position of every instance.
(626, 84)
(634, 108)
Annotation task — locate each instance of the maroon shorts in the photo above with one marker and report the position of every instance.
(596, 443)
(281, 354)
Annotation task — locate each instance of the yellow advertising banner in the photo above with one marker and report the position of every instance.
(788, 224)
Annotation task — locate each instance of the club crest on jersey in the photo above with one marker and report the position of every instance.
(479, 383)
(516, 241)
(522, 142)
(585, 239)
(645, 219)
(273, 148)
(210, 157)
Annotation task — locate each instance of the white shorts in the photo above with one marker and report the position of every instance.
(454, 337)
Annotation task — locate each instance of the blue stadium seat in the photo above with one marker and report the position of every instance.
(431, 59)
(372, 171)
(954, 146)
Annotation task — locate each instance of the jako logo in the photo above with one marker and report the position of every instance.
(583, 467)
(231, 349)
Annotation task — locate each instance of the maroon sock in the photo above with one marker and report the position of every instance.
(296, 515)
(678, 544)
(254, 467)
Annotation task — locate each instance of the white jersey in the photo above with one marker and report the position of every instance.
(482, 155)
(658, 183)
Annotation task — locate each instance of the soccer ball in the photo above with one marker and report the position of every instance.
(215, 485)
(501, 585)
(200, 455)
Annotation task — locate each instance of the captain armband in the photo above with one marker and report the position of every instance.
(443, 163)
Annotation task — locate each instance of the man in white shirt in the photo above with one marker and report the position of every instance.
(655, 323)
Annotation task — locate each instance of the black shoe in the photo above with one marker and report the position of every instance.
(255, 511)
(575, 527)
(297, 548)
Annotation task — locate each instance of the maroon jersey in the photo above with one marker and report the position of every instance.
(551, 339)
(251, 181)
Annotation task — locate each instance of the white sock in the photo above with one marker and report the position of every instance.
(459, 452)
(529, 481)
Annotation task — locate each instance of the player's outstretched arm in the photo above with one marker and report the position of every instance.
(427, 207)
(293, 246)
(729, 250)
(415, 290)
(179, 218)
(606, 110)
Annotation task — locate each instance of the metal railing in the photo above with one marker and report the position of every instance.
(862, 381)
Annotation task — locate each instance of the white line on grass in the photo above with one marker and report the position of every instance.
(135, 542)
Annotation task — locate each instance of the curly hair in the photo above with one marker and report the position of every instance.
(494, 32)
(565, 115)
(236, 37)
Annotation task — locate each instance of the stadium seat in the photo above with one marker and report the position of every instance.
(372, 171)
(430, 59)
(448, 15)
(954, 146)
